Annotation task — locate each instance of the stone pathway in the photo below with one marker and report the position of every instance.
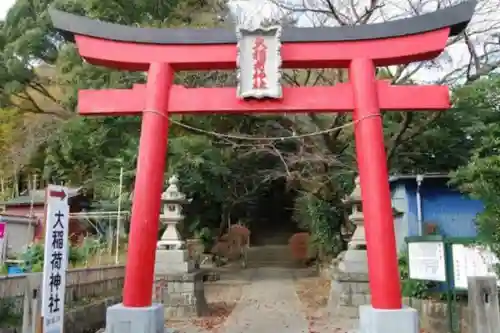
(268, 305)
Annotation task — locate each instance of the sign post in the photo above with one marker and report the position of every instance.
(451, 260)
(55, 258)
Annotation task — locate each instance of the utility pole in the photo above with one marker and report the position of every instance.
(118, 217)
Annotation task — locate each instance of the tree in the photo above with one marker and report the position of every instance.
(9, 135)
(480, 177)
(403, 130)
(40, 75)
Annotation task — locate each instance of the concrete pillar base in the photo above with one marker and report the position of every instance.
(388, 321)
(121, 319)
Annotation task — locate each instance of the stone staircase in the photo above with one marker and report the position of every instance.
(270, 256)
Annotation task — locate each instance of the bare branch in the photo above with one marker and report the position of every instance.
(396, 138)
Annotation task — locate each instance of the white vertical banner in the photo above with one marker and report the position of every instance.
(55, 258)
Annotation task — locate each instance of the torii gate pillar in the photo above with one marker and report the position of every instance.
(160, 52)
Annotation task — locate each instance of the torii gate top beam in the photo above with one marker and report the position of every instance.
(406, 40)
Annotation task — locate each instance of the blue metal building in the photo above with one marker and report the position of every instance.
(429, 200)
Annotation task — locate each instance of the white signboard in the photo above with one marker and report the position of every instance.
(427, 261)
(259, 62)
(471, 261)
(55, 258)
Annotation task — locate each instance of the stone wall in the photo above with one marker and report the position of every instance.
(181, 294)
(77, 280)
(88, 318)
(88, 292)
(434, 315)
(349, 291)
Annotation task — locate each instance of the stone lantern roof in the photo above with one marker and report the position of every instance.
(355, 196)
(172, 194)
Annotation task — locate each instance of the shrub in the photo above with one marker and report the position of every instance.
(299, 246)
(232, 245)
(323, 220)
(9, 316)
(206, 238)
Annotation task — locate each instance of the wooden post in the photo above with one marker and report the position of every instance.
(32, 321)
(483, 304)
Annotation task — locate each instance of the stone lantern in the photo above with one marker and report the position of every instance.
(171, 215)
(350, 287)
(354, 260)
(171, 255)
(178, 285)
(358, 240)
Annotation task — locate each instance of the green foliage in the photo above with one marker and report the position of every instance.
(90, 152)
(412, 288)
(323, 220)
(81, 151)
(480, 178)
(9, 317)
(200, 165)
(206, 237)
(33, 256)
(89, 248)
(219, 180)
(27, 37)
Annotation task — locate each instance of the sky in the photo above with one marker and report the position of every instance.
(4, 7)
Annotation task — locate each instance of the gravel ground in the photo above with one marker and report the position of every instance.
(222, 297)
(313, 292)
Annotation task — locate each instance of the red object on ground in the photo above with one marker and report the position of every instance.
(161, 52)
(299, 245)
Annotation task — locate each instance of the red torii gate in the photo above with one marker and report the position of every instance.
(161, 52)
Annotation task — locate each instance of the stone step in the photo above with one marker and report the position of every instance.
(267, 261)
(270, 256)
(280, 264)
(275, 239)
(270, 249)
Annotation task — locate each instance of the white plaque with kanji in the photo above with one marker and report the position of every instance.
(55, 258)
(472, 261)
(259, 62)
(427, 261)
